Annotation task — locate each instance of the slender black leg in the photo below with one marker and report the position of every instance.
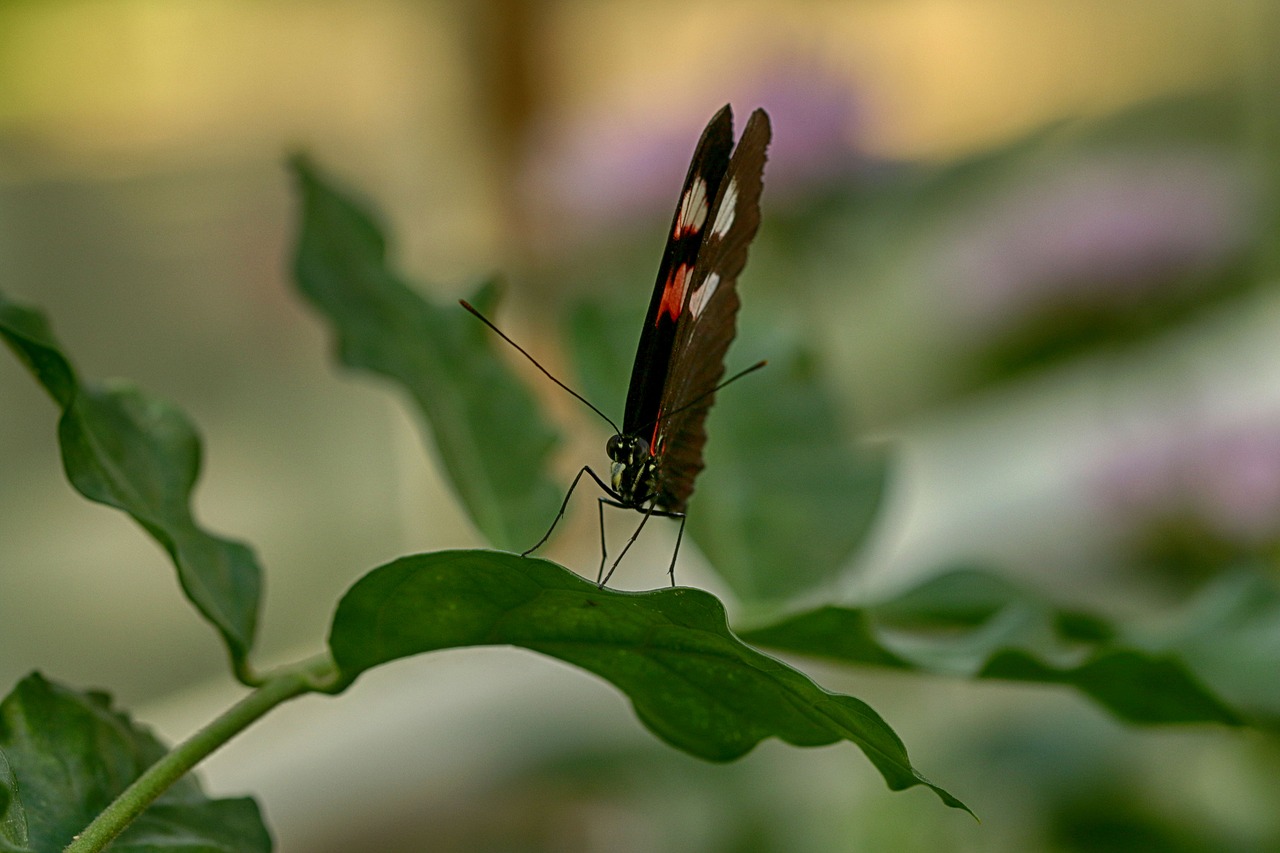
(586, 469)
(558, 515)
(647, 514)
(604, 551)
(651, 510)
(613, 499)
(672, 571)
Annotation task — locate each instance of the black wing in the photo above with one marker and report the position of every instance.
(649, 375)
(707, 319)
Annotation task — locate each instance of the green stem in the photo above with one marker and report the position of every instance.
(307, 677)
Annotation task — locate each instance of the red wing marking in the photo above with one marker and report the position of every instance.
(656, 441)
(693, 216)
(673, 293)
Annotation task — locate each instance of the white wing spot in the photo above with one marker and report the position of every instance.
(724, 217)
(702, 294)
(693, 209)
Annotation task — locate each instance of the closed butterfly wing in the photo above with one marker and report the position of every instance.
(654, 354)
(707, 321)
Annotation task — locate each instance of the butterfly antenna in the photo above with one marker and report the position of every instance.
(698, 399)
(547, 373)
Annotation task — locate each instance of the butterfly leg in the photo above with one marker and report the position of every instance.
(647, 514)
(586, 469)
(604, 551)
(650, 511)
(672, 571)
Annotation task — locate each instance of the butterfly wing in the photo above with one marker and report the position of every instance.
(706, 322)
(652, 366)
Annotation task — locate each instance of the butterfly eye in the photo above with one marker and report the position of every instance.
(614, 448)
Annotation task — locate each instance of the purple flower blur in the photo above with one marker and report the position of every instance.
(600, 170)
(1227, 479)
(1106, 233)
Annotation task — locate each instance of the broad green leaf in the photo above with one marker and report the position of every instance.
(490, 436)
(72, 754)
(977, 625)
(140, 454)
(1229, 634)
(690, 680)
(602, 337)
(13, 819)
(203, 826)
(786, 496)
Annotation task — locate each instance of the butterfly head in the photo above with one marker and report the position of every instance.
(635, 469)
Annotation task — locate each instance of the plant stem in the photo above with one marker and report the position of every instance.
(288, 683)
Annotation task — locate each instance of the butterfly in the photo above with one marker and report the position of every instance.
(657, 454)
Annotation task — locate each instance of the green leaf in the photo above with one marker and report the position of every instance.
(1229, 634)
(72, 754)
(489, 434)
(207, 826)
(13, 818)
(140, 454)
(978, 625)
(602, 337)
(786, 496)
(690, 680)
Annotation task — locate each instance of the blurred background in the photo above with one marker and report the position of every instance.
(1032, 243)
